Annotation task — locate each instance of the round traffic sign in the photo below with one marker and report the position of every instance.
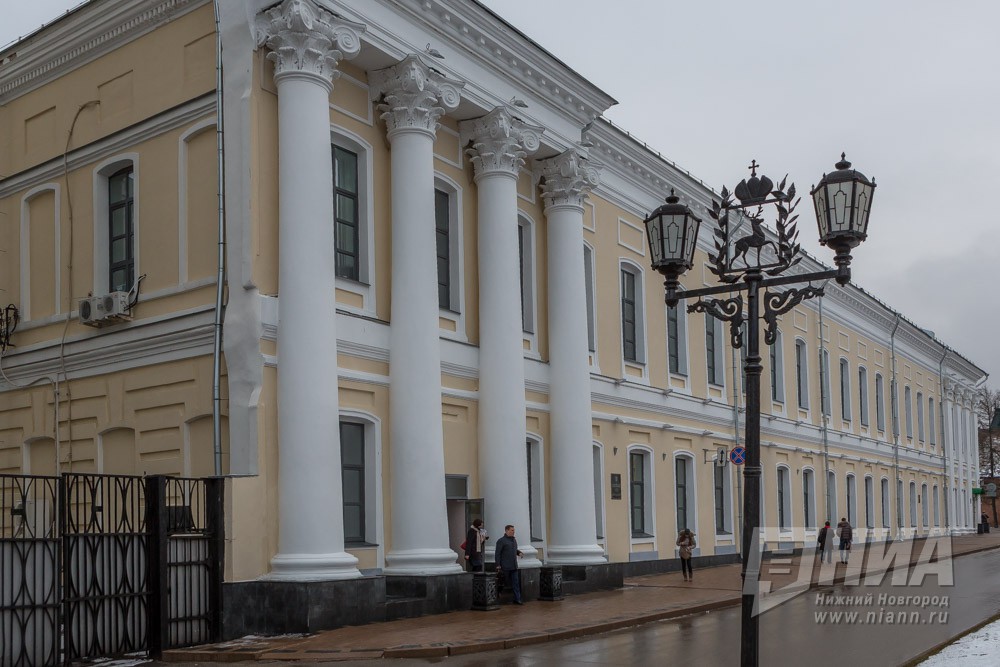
(738, 455)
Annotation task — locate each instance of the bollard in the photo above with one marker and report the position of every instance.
(550, 583)
(484, 591)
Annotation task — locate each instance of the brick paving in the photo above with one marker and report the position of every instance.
(642, 600)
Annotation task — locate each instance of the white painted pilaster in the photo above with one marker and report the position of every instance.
(500, 142)
(413, 97)
(566, 179)
(306, 43)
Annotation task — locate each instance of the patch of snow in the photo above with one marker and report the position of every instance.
(977, 648)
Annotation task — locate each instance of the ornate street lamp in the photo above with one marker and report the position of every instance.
(843, 202)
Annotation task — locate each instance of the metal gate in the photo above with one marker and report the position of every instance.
(105, 565)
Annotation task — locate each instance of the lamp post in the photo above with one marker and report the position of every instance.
(842, 201)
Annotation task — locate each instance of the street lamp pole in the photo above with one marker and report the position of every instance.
(843, 202)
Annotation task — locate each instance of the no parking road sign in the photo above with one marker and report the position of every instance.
(738, 455)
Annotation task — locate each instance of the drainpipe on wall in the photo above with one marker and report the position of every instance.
(221, 278)
(944, 443)
(894, 399)
(824, 423)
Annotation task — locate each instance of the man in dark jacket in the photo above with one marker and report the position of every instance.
(506, 557)
(825, 542)
(846, 535)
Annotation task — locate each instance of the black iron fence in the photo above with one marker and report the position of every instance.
(107, 565)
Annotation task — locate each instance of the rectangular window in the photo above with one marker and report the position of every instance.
(598, 493)
(825, 376)
(442, 224)
(885, 503)
(637, 493)
(863, 395)
(920, 416)
(801, 377)
(352, 457)
(930, 421)
(588, 275)
(121, 230)
(628, 316)
(345, 177)
(807, 493)
(673, 340)
(879, 403)
(869, 503)
(680, 468)
(711, 343)
(720, 500)
(845, 390)
(782, 480)
(908, 407)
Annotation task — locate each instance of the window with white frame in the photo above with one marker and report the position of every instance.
(913, 504)
(354, 464)
(714, 351)
(930, 421)
(588, 275)
(448, 245)
(920, 416)
(908, 409)
(536, 492)
(899, 501)
(885, 503)
(869, 502)
(677, 340)
(784, 499)
(894, 405)
(809, 498)
(825, 372)
(937, 507)
(831, 501)
(801, 375)
(526, 255)
(852, 500)
(863, 395)
(640, 492)
(598, 491)
(924, 508)
(633, 317)
(777, 370)
(116, 228)
(684, 497)
(353, 222)
(723, 495)
(845, 390)
(879, 402)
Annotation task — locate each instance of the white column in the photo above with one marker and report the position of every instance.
(951, 466)
(413, 98)
(573, 529)
(500, 143)
(306, 43)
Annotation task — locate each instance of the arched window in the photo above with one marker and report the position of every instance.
(885, 503)
(809, 498)
(599, 489)
(116, 224)
(831, 499)
(784, 489)
(924, 509)
(852, 500)
(869, 502)
(913, 505)
(361, 465)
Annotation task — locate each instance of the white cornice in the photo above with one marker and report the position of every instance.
(79, 38)
(498, 46)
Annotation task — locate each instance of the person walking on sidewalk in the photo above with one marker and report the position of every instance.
(846, 535)
(475, 538)
(506, 557)
(825, 542)
(686, 544)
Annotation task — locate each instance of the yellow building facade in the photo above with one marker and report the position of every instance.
(391, 211)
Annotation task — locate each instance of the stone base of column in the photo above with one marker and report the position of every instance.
(313, 567)
(529, 558)
(575, 554)
(421, 562)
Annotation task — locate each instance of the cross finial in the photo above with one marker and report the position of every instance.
(753, 168)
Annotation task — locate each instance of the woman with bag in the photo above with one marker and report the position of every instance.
(475, 538)
(686, 544)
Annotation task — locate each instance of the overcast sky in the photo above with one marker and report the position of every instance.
(908, 88)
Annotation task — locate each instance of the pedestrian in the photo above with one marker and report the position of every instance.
(506, 557)
(846, 535)
(475, 538)
(686, 544)
(825, 542)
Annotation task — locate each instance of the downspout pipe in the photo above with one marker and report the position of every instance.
(824, 423)
(894, 398)
(944, 443)
(221, 277)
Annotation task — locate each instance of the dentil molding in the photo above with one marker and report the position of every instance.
(500, 142)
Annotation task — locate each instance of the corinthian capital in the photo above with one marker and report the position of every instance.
(413, 95)
(500, 142)
(567, 178)
(306, 39)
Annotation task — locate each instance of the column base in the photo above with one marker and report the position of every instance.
(421, 562)
(575, 554)
(529, 558)
(313, 567)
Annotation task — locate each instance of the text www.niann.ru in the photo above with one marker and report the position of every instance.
(880, 617)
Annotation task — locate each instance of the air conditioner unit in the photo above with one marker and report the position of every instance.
(99, 311)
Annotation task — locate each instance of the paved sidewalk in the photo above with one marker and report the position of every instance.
(642, 600)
